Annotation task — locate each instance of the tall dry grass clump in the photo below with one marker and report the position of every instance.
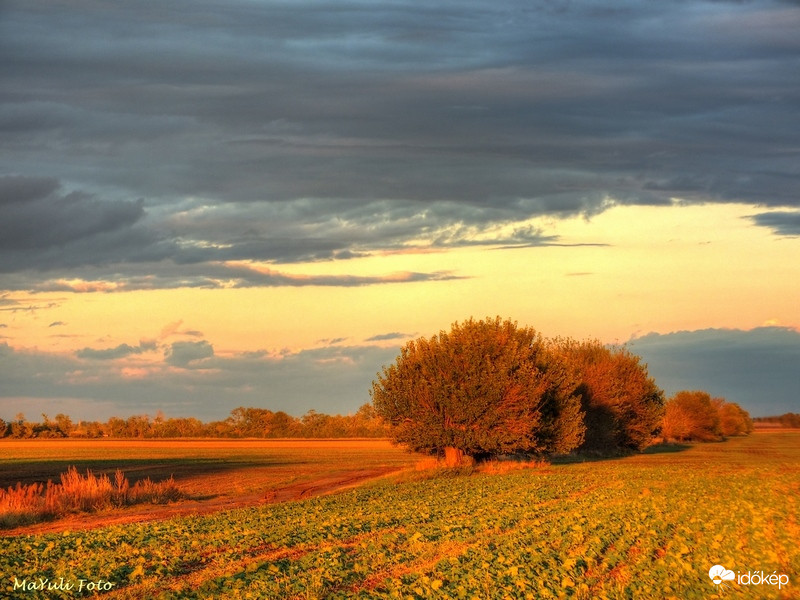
(23, 504)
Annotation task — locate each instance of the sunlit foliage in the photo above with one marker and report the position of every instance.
(622, 404)
(692, 415)
(733, 419)
(484, 387)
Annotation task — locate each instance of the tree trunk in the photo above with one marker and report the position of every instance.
(453, 457)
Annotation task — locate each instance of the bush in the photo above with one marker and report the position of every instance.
(691, 416)
(696, 416)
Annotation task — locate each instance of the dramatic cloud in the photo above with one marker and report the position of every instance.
(36, 222)
(756, 368)
(137, 142)
(781, 222)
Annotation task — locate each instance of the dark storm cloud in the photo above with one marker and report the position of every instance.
(781, 222)
(20, 190)
(33, 216)
(195, 132)
(756, 368)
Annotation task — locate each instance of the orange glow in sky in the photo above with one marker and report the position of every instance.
(628, 271)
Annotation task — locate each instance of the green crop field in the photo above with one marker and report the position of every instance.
(645, 526)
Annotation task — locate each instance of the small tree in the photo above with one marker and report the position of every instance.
(622, 403)
(483, 388)
(691, 416)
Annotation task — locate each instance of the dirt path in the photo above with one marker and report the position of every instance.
(138, 514)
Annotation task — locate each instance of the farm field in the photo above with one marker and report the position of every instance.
(214, 474)
(645, 526)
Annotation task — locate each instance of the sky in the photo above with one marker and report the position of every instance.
(207, 204)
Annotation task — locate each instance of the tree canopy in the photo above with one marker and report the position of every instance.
(484, 387)
(691, 415)
(622, 404)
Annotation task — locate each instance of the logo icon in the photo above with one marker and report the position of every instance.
(719, 575)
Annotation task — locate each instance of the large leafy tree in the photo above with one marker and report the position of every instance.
(622, 403)
(484, 387)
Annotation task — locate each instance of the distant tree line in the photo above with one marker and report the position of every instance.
(787, 420)
(242, 423)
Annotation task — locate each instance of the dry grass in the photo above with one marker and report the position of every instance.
(428, 463)
(497, 467)
(491, 467)
(23, 504)
(431, 467)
